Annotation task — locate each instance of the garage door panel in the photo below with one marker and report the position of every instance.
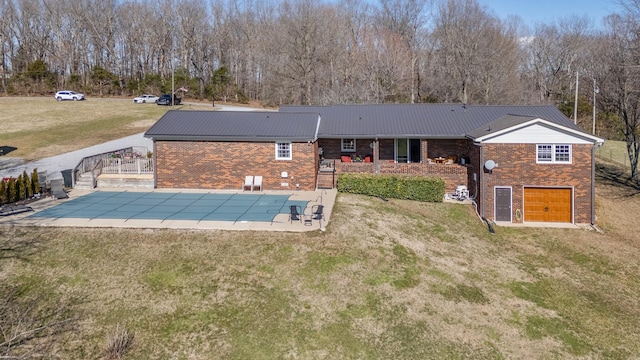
(547, 204)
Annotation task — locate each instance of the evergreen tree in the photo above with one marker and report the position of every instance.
(3, 192)
(11, 192)
(26, 182)
(35, 183)
(22, 192)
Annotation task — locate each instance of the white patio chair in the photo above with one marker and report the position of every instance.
(248, 183)
(257, 183)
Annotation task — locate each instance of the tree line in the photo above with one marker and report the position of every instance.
(327, 52)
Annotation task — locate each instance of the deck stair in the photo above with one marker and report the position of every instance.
(326, 179)
(85, 181)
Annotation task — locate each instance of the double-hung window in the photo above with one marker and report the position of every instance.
(554, 153)
(348, 145)
(283, 151)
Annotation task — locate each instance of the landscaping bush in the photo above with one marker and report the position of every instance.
(4, 193)
(12, 191)
(35, 183)
(428, 189)
(18, 189)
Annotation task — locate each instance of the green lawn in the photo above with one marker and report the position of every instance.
(614, 151)
(43, 127)
(387, 280)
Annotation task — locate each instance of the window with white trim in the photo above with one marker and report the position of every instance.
(349, 145)
(554, 153)
(283, 151)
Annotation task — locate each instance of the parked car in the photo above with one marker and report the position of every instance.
(143, 99)
(166, 100)
(69, 95)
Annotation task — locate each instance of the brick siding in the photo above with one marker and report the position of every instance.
(453, 175)
(224, 165)
(517, 168)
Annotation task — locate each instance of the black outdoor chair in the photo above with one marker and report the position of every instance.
(317, 212)
(295, 213)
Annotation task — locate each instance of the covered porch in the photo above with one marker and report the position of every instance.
(444, 158)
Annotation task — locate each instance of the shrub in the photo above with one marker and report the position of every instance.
(35, 183)
(20, 188)
(429, 189)
(118, 343)
(3, 192)
(26, 183)
(12, 194)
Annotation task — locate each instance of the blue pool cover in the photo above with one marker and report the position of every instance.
(172, 206)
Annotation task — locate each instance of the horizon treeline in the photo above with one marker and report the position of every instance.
(320, 52)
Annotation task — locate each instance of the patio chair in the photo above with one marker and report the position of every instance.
(317, 212)
(248, 183)
(295, 213)
(57, 189)
(257, 183)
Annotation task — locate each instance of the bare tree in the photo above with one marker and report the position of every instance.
(297, 48)
(407, 19)
(622, 82)
(555, 55)
(461, 45)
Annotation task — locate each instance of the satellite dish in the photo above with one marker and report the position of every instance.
(490, 164)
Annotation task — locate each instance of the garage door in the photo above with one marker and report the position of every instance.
(548, 205)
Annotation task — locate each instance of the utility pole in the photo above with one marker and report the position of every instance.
(595, 91)
(575, 106)
(172, 80)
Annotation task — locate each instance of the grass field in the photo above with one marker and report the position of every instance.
(614, 151)
(386, 280)
(43, 127)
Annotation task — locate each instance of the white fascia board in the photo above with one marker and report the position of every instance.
(539, 131)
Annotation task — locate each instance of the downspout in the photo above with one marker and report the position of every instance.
(155, 165)
(376, 155)
(481, 179)
(315, 136)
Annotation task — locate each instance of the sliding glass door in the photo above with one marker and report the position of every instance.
(407, 150)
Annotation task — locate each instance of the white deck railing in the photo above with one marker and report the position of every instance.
(127, 166)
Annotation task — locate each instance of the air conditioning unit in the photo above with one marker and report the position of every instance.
(462, 192)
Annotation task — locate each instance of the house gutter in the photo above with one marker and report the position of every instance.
(155, 165)
(229, 138)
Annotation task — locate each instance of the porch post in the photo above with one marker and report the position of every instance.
(376, 155)
(424, 154)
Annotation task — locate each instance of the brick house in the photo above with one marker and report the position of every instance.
(519, 163)
(217, 150)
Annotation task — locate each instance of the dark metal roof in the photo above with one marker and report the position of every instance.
(419, 120)
(234, 125)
